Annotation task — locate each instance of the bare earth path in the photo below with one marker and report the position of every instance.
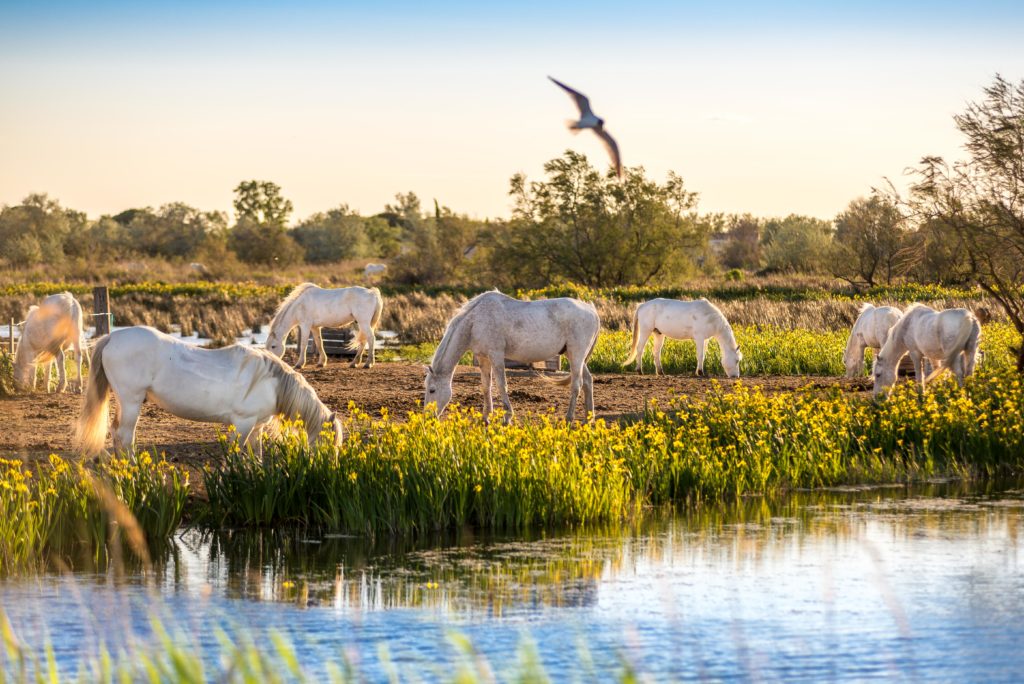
(39, 424)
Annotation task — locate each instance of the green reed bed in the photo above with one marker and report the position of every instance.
(427, 474)
(68, 514)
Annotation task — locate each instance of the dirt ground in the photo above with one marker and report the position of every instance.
(39, 424)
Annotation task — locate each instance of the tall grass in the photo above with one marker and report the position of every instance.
(174, 657)
(427, 474)
(69, 515)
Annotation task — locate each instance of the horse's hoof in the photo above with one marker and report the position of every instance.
(369, 365)
(352, 365)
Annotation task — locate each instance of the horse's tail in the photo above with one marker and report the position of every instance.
(359, 339)
(378, 308)
(76, 314)
(92, 422)
(963, 336)
(636, 337)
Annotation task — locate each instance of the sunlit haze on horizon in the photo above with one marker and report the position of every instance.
(794, 108)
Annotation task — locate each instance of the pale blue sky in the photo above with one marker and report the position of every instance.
(788, 108)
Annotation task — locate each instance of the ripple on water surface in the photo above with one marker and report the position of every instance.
(920, 583)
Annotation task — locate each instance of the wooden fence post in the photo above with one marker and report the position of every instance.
(10, 338)
(101, 310)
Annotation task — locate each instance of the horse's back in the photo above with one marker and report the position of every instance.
(684, 319)
(188, 381)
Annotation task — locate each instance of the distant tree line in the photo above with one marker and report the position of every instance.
(961, 223)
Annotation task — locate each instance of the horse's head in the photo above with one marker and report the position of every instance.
(884, 372)
(731, 361)
(436, 391)
(275, 345)
(24, 365)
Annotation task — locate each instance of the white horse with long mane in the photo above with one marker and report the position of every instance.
(497, 327)
(310, 307)
(238, 386)
(869, 332)
(697, 320)
(949, 339)
(50, 328)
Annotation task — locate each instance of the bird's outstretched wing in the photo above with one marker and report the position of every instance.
(613, 149)
(579, 98)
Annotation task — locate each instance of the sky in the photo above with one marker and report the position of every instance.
(767, 108)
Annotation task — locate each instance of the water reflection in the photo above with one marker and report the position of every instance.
(473, 574)
(851, 583)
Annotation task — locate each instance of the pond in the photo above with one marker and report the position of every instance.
(923, 583)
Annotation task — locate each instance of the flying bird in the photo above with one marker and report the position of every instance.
(590, 120)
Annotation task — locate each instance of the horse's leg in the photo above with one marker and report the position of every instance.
(641, 344)
(702, 349)
(499, 377)
(958, 369)
(576, 370)
(62, 371)
(588, 392)
(303, 341)
(318, 342)
(245, 428)
(372, 345)
(485, 386)
(659, 342)
(129, 410)
(919, 374)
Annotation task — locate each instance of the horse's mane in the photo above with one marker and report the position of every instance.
(289, 301)
(295, 396)
(457, 320)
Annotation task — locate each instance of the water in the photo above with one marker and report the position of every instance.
(921, 584)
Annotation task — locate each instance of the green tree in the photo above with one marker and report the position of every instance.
(261, 202)
(981, 199)
(593, 229)
(260, 232)
(176, 230)
(796, 244)
(331, 236)
(870, 242)
(440, 249)
(743, 243)
(38, 230)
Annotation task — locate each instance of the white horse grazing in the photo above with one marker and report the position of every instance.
(497, 327)
(236, 385)
(374, 269)
(50, 328)
(869, 332)
(948, 339)
(309, 307)
(698, 321)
